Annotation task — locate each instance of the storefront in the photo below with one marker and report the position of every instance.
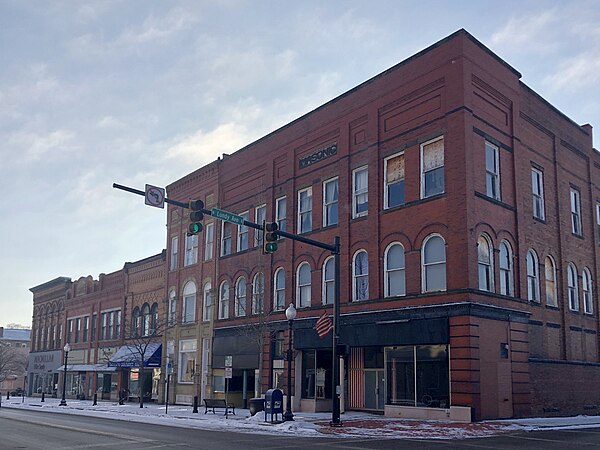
(42, 372)
(127, 359)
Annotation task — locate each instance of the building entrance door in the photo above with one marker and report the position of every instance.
(374, 389)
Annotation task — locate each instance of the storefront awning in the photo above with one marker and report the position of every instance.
(129, 356)
(86, 368)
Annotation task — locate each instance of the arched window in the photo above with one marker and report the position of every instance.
(224, 300)
(434, 263)
(328, 288)
(550, 275)
(506, 269)
(153, 318)
(485, 264)
(394, 267)
(303, 286)
(586, 281)
(533, 277)
(572, 286)
(240, 297)
(279, 283)
(145, 319)
(135, 322)
(207, 314)
(172, 307)
(258, 293)
(360, 272)
(189, 302)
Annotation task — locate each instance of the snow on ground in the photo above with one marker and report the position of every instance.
(355, 424)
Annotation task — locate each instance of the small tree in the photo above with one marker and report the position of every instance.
(12, 362)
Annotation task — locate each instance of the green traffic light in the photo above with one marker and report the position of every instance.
(271, 247)
(195, 228)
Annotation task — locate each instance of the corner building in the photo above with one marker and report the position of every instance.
(467, 210)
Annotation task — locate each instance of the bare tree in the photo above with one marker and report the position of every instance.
(12, 362)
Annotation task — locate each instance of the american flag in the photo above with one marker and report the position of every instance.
(323, 325)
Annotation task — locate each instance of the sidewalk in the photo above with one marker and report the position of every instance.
(355, 424)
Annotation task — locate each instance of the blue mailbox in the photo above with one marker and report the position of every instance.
(273, 403)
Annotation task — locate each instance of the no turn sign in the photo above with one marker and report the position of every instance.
(155, 196)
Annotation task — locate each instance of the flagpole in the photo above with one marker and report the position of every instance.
(335, 394)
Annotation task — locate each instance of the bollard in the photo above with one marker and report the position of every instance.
(195, 410)
(0, 401)
(7, 395)
(43, 397)
(95, 400)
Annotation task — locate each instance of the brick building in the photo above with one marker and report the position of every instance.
(467, 210)
(17, 342)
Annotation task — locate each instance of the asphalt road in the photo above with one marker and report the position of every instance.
(20, 429)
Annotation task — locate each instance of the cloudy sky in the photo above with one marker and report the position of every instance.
(138, 92)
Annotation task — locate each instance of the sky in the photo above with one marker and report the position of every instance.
(144, 92)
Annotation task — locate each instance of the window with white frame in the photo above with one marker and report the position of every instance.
(240, 297)
(360, 192)
(505, 260)
(189, 302)
(360, 273)
(485, 264)
(305, 210)
(492, 171)
(191, 250)
(572, 287)
(432, 168)
(187, 360)
(576, 212)
(328, 289)
(280, 212)
(550, 276)
(260, 216)
(226, 233)
(172, 315)
(395, 273)
(258, 293)
(242, 235)
(598, 219)
(207, 310)
(209, 239)
(586, 282)
(303, 286)
(224, 300)
(533, 277)
(174, 250)
(393, 188)
(330, 202)
(537, 193)
(434, 264)
(279, 296)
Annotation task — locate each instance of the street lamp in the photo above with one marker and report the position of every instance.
(290, 313)
(63, 401)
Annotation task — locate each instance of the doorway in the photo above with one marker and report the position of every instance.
(374, 389)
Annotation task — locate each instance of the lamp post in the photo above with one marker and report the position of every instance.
(290, 313)
(63, 401)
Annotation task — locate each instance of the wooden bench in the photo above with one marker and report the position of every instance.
(212, 403)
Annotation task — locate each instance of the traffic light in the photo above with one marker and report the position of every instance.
(196, 216)
(270, 237)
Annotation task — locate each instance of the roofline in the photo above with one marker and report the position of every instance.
(51, 283)
(160, 255)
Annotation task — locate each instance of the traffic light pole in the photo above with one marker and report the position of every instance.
(335, 250)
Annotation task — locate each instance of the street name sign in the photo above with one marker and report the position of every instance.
(227, 216)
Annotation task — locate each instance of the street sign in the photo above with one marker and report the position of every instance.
(228, 372)
(228, 361)
(227, 216)
(169, 368)
(155, 196)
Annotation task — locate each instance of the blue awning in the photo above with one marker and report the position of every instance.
(128, 356)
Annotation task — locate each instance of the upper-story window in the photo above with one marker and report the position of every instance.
(434, 264)
(330, 202)
(226, 238)
(537, 192)
(328, 289)
(242, 236)
(111, 324)
(224, 300)
(85, 324)
(174, 250)
(492, 171)
(573, 287)
(260, 216)
(303, 286)
(550, 276)
(280, 212)
(258, 293)
(485, 264)
(172, 315)
(209, 239)
(207, 314)
(305, 210)
(279, 292)
(360, 275)
(576, 212)
(533, 277)
(586, 283)
(394, 267)
(432, 167)
(191, 250)
(598, 219)
(240, 297)
(393, 188)
(360, 192)
(146, 319)
(189, 302)
(505, 258)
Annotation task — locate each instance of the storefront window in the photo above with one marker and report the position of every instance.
(316, 374)
(187, 361)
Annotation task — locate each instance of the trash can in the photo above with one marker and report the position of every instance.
(256, 405)
(273, 403)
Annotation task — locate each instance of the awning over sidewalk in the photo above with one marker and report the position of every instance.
(86, 368)
(129, 356)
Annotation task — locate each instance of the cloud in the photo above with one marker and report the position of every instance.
(158, 28)
(576, 73)
(31, 147)
(528, 32)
